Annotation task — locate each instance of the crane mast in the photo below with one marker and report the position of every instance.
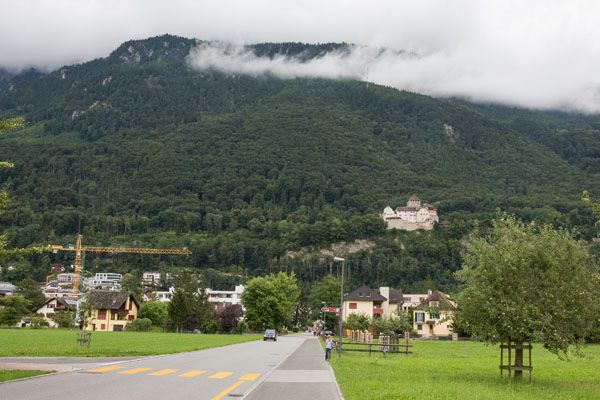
(79, 250)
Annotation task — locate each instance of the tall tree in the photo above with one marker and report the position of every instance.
(528, 282)
(156, 311)
(189, 308)
(270, 300)
(325, 293)
(14, 309)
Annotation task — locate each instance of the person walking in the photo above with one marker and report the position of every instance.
(328, 347)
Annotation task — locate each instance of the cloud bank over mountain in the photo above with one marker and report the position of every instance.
(537, 53)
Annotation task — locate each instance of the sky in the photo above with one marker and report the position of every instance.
(541, 54)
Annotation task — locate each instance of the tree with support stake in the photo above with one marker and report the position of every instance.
(525, 282)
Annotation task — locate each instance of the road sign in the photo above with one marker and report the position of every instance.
(330, 309)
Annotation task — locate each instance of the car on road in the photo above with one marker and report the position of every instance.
(327, 333)
(270, 334)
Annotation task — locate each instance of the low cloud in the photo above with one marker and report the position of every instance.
(461, 72)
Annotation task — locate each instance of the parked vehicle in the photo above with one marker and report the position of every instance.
(270, 334)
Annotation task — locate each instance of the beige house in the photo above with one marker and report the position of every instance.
(433, 317)
(372, 302)
(110, 311)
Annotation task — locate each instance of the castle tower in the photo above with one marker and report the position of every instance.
(414, 201)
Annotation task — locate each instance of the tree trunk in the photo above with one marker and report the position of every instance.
(518, 374)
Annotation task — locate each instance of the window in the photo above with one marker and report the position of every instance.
(101, 314)
(352, 306)
(434, 315)
(419, 327)
(420, 317)
(102, 327)
(434, 304)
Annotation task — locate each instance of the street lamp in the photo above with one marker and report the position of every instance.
(342, 260)
(323, 315)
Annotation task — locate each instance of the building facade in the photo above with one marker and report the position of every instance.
(110, 311)
(433, 316)
(412, 217)
(54, 305)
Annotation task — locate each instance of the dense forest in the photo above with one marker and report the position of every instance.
(140, 149)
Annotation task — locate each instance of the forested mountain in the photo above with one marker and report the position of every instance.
(139, 148)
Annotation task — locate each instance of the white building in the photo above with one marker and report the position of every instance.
(52, 306)
(151, 278)
(109, 281)
(412, 217)
(222, 298)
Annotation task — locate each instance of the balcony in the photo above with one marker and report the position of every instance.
(377, 311)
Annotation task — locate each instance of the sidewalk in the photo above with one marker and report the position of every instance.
(304, 375)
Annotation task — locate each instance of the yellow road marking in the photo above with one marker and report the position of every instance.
(106, 369)
(221, 375)
(229, 389)
(249, 377)
(134, 371)
(192, 374)
(163, 372)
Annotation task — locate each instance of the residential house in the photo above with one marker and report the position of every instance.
(372, 302)
(104, 281)
(54, 305)
(151, 278)
(110, 311)
(433, 316)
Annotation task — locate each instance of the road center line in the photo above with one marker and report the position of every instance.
(192, 374)
(106, 369)
(221, 375)
(226, 391)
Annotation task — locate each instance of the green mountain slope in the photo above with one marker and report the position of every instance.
(138, 147)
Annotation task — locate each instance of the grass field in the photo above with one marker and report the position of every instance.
(463, 371)
(62, 342)
(9, 375)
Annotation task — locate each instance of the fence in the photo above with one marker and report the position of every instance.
(387, 345)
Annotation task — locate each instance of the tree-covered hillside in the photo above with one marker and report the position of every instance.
(140, 148)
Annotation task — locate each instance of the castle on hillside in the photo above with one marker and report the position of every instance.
(412, 217)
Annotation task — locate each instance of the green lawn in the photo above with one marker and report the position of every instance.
(463, 371)
(61, 342)
(9, 375)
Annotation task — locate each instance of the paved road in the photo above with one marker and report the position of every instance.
(221, 373)
(59, 364)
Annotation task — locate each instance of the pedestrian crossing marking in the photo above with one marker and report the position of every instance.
(163, 372)
(249, 377)
(192, 374)
(106, 369)
(221, 375)
(134, 371)
(226, 391)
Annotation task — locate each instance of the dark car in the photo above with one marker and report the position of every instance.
(270, 334)
(327, 333)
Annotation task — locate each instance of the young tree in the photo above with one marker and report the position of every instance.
(156, 311)
(229, 317)
(31, 291)
(526, 282)
(356, 321)
(270, 300)
(64, 319)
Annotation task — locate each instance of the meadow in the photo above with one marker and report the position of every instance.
(9, 375)
(464, 370)
(62, 342)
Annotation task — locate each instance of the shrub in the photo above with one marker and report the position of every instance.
(140, 325)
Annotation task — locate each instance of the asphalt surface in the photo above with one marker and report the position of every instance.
(220, 373)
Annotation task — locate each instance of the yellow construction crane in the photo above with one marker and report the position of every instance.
(79, 250)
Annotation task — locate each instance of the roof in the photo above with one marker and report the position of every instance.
(429, 206)
(108, 300)
(396, 296)
(414, 197)
(445, 303)
(364, 293)
(407, 208)
(67, 303)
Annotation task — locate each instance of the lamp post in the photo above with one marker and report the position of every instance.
(323, 315)
(342, 260)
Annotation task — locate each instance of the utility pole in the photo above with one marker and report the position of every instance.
(342, 260)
